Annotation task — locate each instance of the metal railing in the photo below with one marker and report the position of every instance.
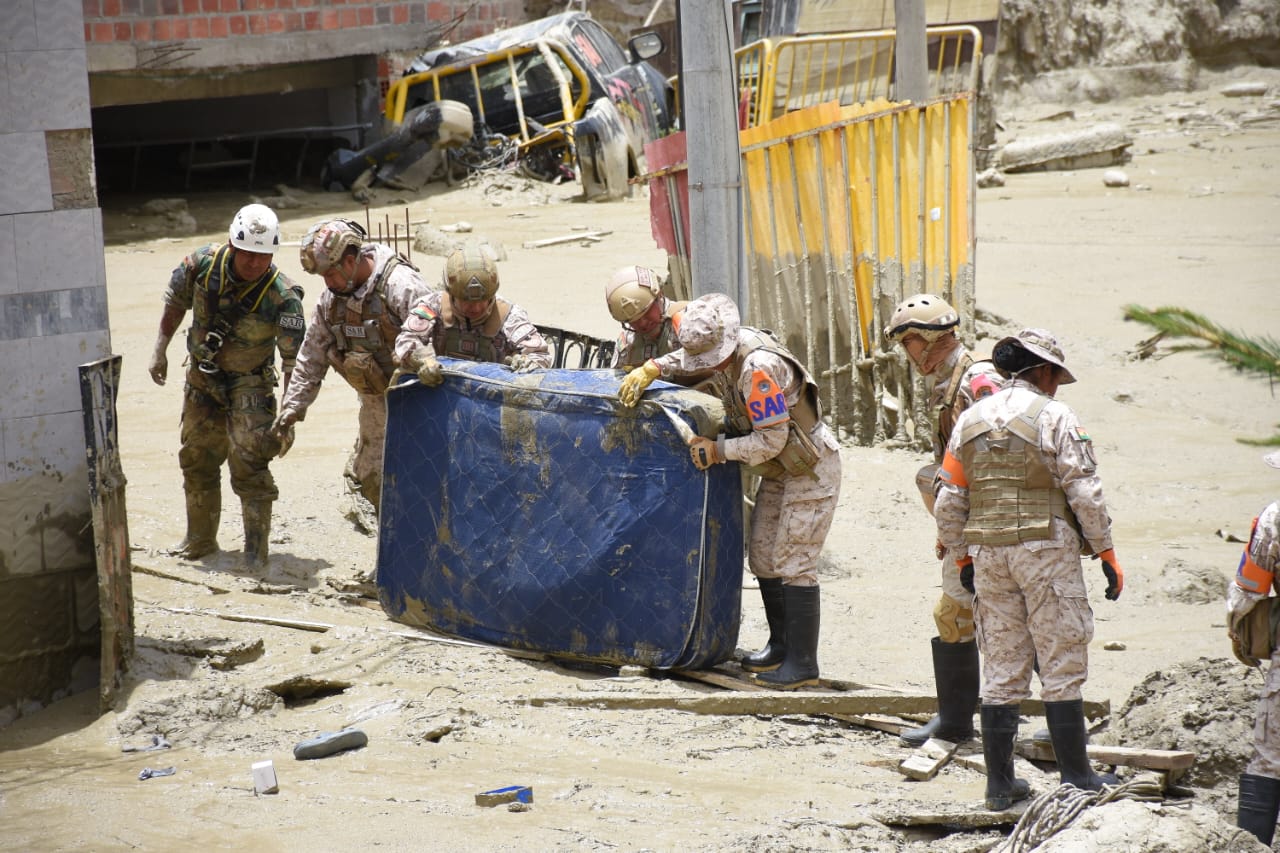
(775, 77)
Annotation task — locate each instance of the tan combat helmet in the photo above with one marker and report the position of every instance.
(630, 291)
(470, 274)
(925, 315)
(327, 242)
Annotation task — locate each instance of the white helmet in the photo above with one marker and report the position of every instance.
(255, 229)
(630, 291)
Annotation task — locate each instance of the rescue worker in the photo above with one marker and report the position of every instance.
(1020, 499)
(778, 433)
(925, 327)
(369, 290)
(468, 320)
(648, 318)
(243, 310)
(1251, 608)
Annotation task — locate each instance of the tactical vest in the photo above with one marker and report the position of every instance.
(947, 414)
(364, 334)
(1012, 495)
(221, 303)
(642, 349)
(486, 343)
(799, 454)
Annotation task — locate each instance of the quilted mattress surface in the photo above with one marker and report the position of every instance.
(532, 511)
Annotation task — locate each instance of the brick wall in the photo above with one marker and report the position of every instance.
(107, 21)
(145, 35)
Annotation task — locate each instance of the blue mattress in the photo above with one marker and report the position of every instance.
(532, 511)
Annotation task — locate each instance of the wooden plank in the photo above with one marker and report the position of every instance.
(589, 236)
(892, 725)
(1150, 759)
(99, 389)
(958, 816)
(924, 763)
(779, 702)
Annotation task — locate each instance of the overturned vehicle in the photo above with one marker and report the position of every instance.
(557, 98)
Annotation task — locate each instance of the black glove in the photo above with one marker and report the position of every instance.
(966, 574)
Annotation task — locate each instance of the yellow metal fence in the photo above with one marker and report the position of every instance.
(852, 202)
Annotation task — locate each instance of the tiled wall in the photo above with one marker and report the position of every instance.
(53, 317)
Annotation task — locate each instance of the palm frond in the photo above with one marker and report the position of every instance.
(1259, 355)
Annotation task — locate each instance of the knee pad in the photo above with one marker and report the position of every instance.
(954, 620)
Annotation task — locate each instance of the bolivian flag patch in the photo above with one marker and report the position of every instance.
(420, 318)
(1081, 435)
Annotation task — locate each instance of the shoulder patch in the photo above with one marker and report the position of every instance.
(420, 318)
(766, 405)
(292, 321)
(1081, 435)
(982, 386)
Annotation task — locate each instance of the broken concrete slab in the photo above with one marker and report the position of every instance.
(1099, 146)
(923, 764)
(1246, 89)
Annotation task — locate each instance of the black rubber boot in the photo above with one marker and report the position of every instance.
(999, 731)
(257, 531)
(770, 657)
(1066, 728)
(955, 674)
(204, 512)
(1259, 806)
(799, 668)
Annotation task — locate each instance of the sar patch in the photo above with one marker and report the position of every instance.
(292, 321)
(767, 405)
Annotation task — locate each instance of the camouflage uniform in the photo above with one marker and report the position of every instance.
(227, 413)
(952, 387)
(355, 334)
(793, 512)
(1262, 556)
(776, 431)
(634, 349)
(505, 333)
(1250, 600)
(1031, 597)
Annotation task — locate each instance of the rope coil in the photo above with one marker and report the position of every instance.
(1054, 811)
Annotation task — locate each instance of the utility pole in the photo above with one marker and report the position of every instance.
(911, 81)
(709, 110)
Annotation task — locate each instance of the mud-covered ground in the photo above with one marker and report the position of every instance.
(1196, 227)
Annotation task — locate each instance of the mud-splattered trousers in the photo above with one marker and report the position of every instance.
(1031, 597)
(1263, 553)
(227, 413)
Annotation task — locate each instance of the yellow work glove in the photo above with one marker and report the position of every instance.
(703, 451)
(429, 371)
(636, 381)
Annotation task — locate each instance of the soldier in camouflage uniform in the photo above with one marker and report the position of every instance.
(1019, 500)
(777, 432)
(1251, 604)
(243, 310)
(469, 320)
(369, 290)
(648, 318)
(925, 327)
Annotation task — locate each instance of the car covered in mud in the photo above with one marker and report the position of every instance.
(559, 97)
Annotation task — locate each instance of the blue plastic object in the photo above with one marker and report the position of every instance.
(533, 511)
